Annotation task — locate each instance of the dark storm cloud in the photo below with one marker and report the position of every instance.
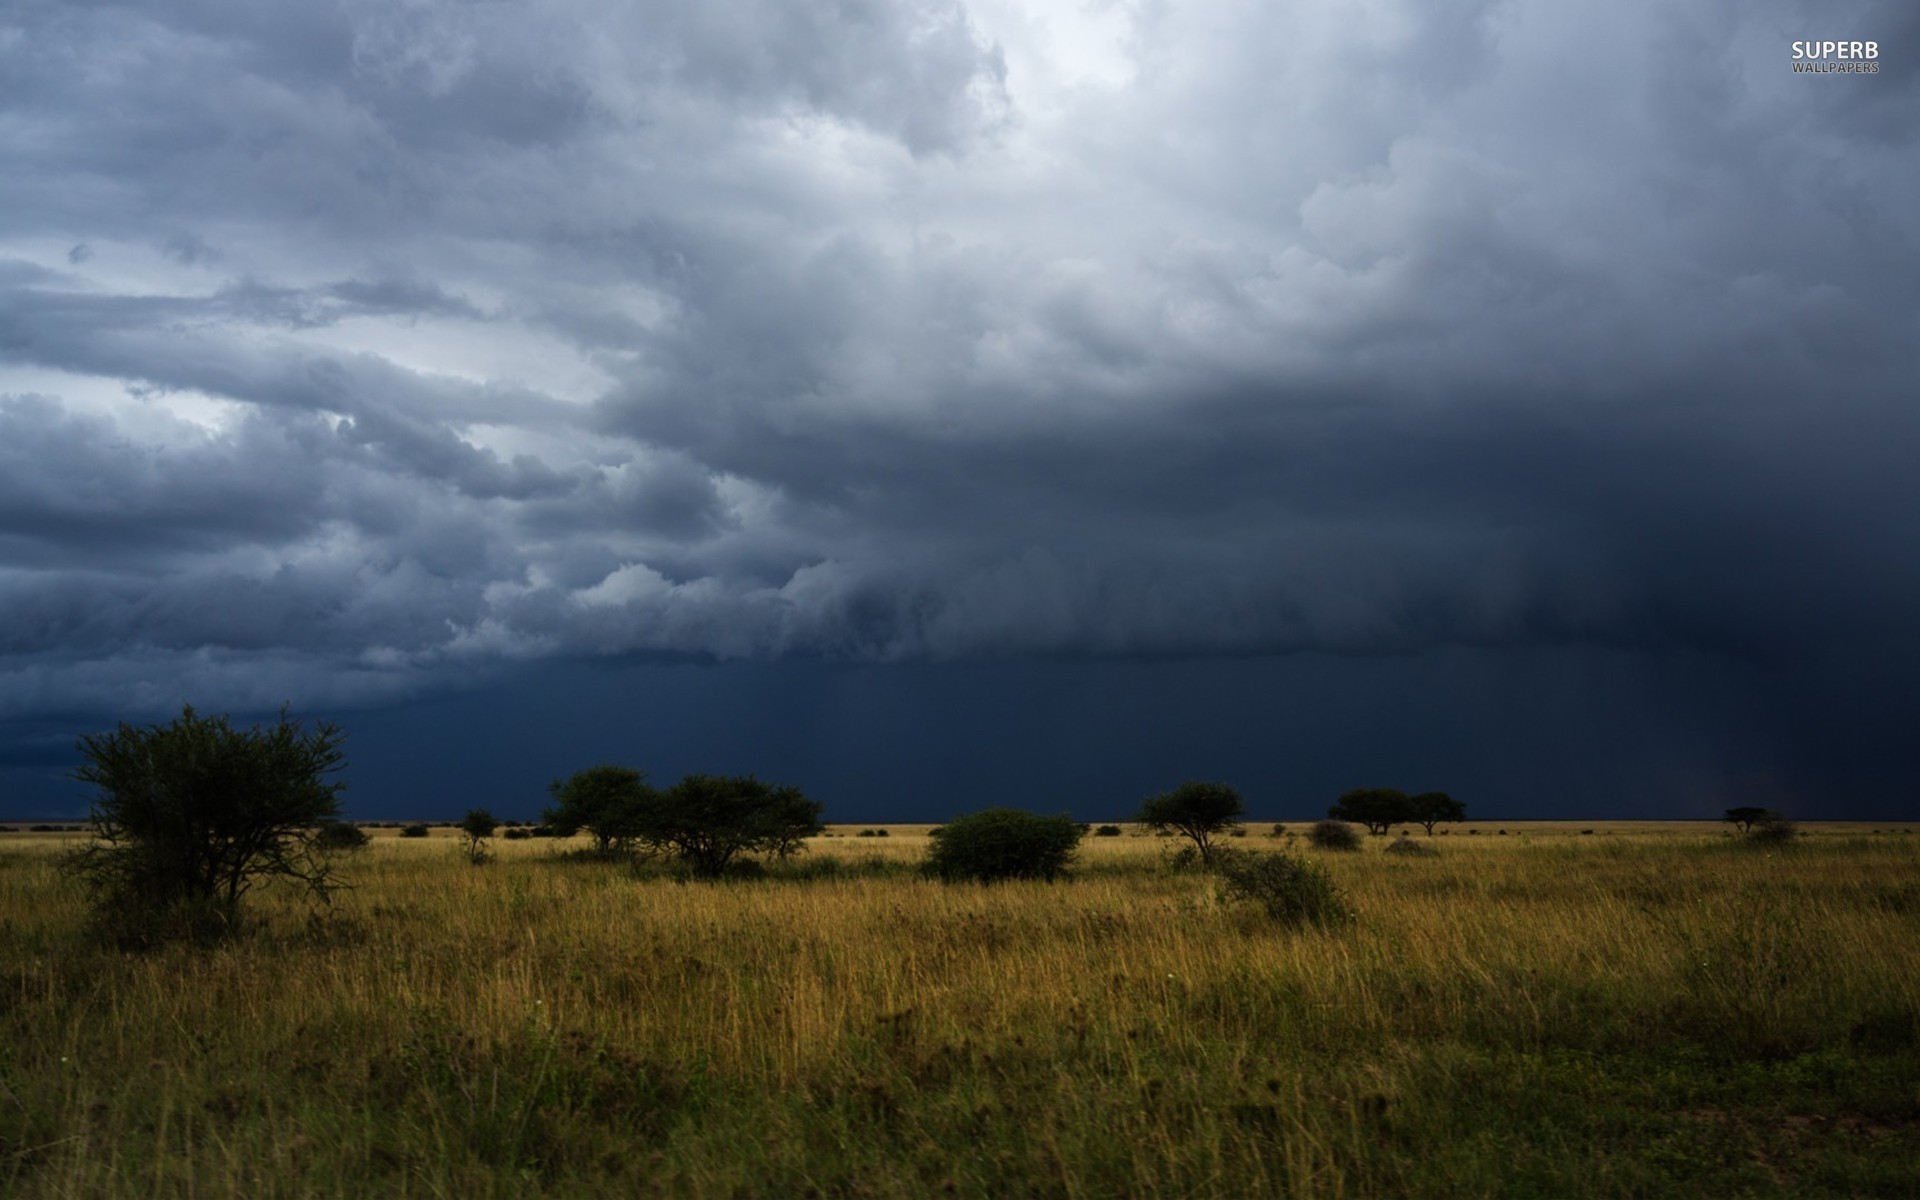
(73, 486)
(408, 340)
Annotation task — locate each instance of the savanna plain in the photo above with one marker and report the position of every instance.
(1639, 1010)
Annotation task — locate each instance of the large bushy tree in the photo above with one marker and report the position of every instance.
(607, 801)
(709, 820)
(188, 816)
(1198, 811)
(1431, 808)
(1379, 809)
(1003, 843)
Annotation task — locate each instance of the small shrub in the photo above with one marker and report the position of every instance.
(1277, 831)
(1333, 835)
(339, 835)
(1292, 891)
(1107, 831)
(1003, 843)
(1184, 861)
(413, 831)
(875, 833)
(516, 833)
(1405, 845)
(1773, 830)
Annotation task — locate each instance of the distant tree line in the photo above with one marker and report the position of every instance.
(190, 815)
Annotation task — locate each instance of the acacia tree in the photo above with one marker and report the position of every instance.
(188, 816)
(475, 828)
(708, 820)
(1431, 808)
(1379, 809)
(1195, 810)
(607, 801)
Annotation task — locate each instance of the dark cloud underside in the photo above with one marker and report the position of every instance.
(358, 352)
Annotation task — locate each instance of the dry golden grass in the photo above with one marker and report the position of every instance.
(1532, 1013)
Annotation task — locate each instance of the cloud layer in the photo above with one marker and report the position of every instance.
(350, 349)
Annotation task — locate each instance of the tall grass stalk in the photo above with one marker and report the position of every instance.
(1641, 1013)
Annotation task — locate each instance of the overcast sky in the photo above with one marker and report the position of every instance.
(936, 404)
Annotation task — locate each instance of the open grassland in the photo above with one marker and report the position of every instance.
(1640, 1011)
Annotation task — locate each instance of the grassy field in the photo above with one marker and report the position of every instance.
(1641, 1011)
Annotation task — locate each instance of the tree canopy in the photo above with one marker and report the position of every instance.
(1431, 808)
(189, 815)
(607, 801)
(1379, 809)
(1195, 810)
(1747, 816)
(709, 820)
(475, 828)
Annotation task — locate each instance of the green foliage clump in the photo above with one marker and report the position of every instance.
(340, 836)
(1379, 809)
(1197, 811)
(415, 830)
(708, 821)
(475, 828)
(1184, 861)
(1333, 835)
(1107, 831)
(1293, 891)
(1430, 808)
(188, 816)
(1406, 846)
(610, 802)
(1003, 843)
